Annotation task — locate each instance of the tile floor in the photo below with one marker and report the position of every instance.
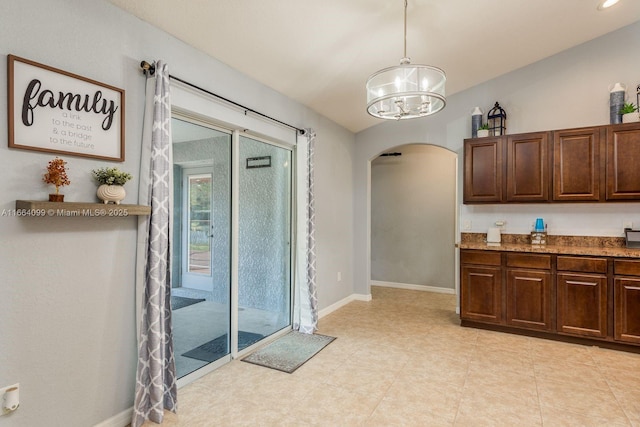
(403, 360)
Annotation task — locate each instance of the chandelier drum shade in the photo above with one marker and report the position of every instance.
(406, 91)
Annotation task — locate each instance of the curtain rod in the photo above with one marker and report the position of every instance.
(151, 69)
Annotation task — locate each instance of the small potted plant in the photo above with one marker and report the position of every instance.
(56, 175)
(483, 130)
(629, 113)
(111, 182)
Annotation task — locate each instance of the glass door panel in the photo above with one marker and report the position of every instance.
(264, 241)
(201, 264)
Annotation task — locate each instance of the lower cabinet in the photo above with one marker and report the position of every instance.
(582, 304)
(582, 296)
(627, 301)
(528, 298)
(481, 285)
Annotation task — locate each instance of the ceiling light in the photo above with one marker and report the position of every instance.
(406, 91)
(604, 4)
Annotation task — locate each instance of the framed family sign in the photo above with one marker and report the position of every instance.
(59, 112)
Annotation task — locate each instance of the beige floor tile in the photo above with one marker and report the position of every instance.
(508, 408)
(402, 359)
(562, 418)
(480, 380)
(584, 376)
(548, 351)
(592, 402)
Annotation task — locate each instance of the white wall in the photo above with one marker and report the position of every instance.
(413, 202)
(67, 285)
(567, 90)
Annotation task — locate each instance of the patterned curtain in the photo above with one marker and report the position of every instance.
(306, 298)
(156, 374)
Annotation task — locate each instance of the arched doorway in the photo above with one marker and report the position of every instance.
(413, 218)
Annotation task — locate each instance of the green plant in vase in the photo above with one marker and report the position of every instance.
(111, 181)
(629, 113)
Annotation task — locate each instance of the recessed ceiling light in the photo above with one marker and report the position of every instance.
(605, 4)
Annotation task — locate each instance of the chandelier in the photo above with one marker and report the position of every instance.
(406, 91)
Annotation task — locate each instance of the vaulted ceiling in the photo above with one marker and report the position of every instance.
(321, 52)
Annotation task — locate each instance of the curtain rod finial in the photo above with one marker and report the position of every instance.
(146, 67)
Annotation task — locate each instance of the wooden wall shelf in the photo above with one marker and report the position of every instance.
(43, 209)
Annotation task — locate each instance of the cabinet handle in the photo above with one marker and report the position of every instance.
(572, 282)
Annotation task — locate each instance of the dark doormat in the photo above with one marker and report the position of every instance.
(215, 349)
(289, 352)
(181, 302)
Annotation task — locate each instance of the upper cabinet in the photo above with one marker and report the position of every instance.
(578, 164)
(483, 168)
(623, 162)
(594, 164)
(528, 167)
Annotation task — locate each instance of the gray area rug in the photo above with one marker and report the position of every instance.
(181, 302)
(215, 349)
(289, 352)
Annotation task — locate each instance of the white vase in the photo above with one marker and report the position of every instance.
(111, 193)
(631, 117)
(483, 132)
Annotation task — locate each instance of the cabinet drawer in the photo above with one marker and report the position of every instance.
(529, 261)
(480, 257)
(583, 264)
(628, 267)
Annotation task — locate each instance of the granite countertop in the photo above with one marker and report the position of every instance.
(567, 245)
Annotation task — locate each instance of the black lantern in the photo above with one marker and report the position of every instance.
(638, 98)
(497, 121)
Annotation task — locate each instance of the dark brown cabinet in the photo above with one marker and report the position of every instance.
(528, 295)
(582, 296)
(481, 284)
(623, 157)
(582, 304)
(578, 165)
(527, 177)
(627, 301)
(594, 164)
(483, 168)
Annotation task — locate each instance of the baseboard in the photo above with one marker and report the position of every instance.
(119, 420)
(413, 287)
(333, 307)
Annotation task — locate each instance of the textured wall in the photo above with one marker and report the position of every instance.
(264, 227)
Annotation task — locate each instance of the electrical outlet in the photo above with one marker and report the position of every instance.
(339, 276)
(466, 225)
(627, 224)
(501, 223)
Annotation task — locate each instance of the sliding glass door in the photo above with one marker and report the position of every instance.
(231, 269)
(201, 267)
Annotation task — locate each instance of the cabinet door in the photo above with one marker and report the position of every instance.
(528, 167)
(577, 165)
(481, 294)
(483, 164)
(529, 299)
(582, 304)
(623, 158)
(627, 309)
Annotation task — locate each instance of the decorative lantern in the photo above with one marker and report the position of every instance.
(497, 121)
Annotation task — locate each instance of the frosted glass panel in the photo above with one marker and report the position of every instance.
(264, 288)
